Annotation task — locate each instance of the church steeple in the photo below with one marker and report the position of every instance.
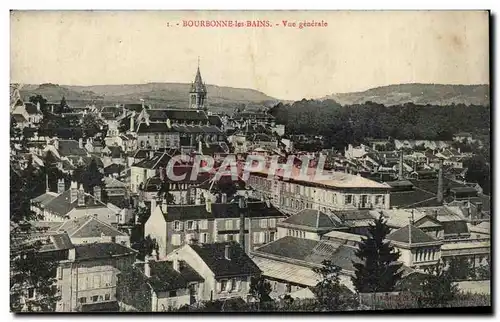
(198, 91)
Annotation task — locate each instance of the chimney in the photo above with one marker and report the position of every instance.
(208, 205)
(131, 123)
(73, 191)
(47, 188)
(80, 143)
(175, 264)
(164, 205)
(227, 251)
(400, 174)
(81, 196)
(153, 205)
(97, 193)
(440, 182)
(60, 186)
(223, 198)
(38, 107)
(147, 266)
(242, 205)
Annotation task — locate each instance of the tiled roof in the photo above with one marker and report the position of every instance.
(153, 128)
(19, 118)
(61, 204)
(310, 251)
(113, 168)
(158, 160)
(113, 183)
(70, 147)
(101, 250)
(313, 219)
(402, 235)
(161, 115)
(31, 108)
(213, 256)
(60, 241)
(165, 278)
(45, 198)
(215, 120)
(219, 210)
(455, 227)
(89, 226)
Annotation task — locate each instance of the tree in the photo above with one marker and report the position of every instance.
(478, 171)
(39, 99)
(89, 176)
(328, 290)
(90, 125)
(260, 288)
(438, 287)
(30, 271)
(377, 269)
(63, 106)
(460, 269)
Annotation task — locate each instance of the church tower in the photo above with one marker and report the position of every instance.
(198, 92)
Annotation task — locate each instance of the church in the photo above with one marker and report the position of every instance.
(183, 129)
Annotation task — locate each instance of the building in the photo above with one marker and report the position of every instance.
(198, 92)
(337, 191)
(175, 225)
(225, 268)
(159, 286)
(87, 278)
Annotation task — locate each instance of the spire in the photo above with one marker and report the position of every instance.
(198, 86)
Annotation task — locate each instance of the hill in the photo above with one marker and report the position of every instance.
(155, 94)
(435, 94)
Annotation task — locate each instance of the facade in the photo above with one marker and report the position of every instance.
(224, 267)
(175, 225)
(339, 191)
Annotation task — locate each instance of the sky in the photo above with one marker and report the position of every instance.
(357, 50)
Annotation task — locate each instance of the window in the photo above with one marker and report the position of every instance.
(234, 285)
(172, 293)
(59, 273)
(288, 288)
(223, 285)
(107, 297)
(272, 223)
(203, 224)
(272, 236)
(256, 237)
(348, 199)
(204, 238)
(263, 223)
(191, 225)
(82, 300)
(97, 281)
(176, 239)
(177, 225)
(229, 237)
(262, 237)
(107, 280)
(229, 224)
(95, 298)
(237, 224)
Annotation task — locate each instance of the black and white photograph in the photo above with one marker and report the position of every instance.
(250, 161)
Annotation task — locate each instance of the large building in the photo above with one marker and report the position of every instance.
(338, 191)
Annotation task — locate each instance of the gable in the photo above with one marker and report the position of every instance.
(427, 222)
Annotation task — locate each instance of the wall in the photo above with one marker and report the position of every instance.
(156, 227)
(163, 302)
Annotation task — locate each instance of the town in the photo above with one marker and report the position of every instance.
(103, 220)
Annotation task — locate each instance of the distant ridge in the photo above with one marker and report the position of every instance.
(156, 94)
(436, 94)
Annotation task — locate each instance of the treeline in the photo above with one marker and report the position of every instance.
(341, 125)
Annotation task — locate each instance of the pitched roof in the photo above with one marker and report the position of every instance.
(62, 204)
(198, 86)
(455, 227)
(45, 198)
(180, 115)
(19, 118)
(58, 241)
(238, 264)
(70, 147)
(219, 210)
(402, 235)
(153, 128)
(310, 251)
(113, 168)
(89, 226)
(165, 278)
(312, 218)
(113, 183)
(101, 250)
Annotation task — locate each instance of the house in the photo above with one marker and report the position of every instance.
(175, 225)
(87, 279)
(309, 224)
(74, 203)
(30, 112)
(224, 266)
(159, 286)
(148, 168)
(85, 230)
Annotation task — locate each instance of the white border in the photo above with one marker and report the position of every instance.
(199, 4)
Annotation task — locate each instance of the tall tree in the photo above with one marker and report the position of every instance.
(478, 171)
(90, 125)
(438, 287)
(260, 289)
(89, 176)
(63, 106)
(329, 291)
(376, 268)
(39, 99)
